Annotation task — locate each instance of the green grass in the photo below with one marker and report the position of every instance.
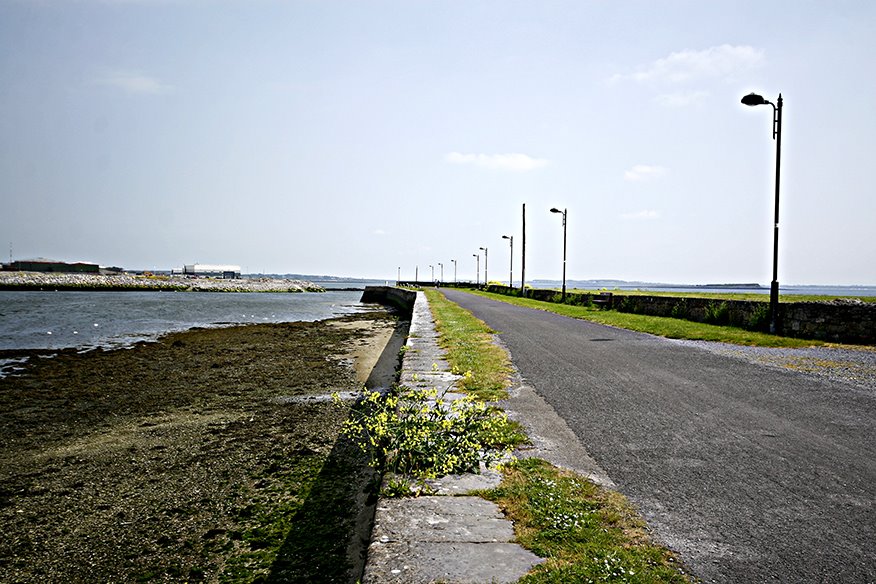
(470, 349)
(673, 328)
(587, 534)
(750, 296)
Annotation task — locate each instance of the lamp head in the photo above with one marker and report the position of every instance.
(505, 237)
(754, 99)
(555, 210)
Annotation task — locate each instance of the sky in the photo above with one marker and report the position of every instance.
(378, 138)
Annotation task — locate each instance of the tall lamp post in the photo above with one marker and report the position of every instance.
(753, 99)
(433, 272)
(440, 265)
(397, 280)
(523, 257)
(477, 271)
(454, 271)
(510, 239)
(555, 210)
(486, 265)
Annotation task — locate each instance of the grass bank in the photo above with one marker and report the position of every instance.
(470, 349)
(750, 296)
(673, 328)
(587, 533)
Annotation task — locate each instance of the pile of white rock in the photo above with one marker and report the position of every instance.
(54, 281)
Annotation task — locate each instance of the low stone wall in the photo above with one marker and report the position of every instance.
(837, 321)
(831, 321)
(402, 299)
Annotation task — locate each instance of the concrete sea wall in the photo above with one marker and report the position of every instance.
(398, 297)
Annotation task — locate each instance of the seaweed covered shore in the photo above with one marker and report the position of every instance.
(210, 455)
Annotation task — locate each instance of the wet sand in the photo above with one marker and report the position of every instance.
(186, 459)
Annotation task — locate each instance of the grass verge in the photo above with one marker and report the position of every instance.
(752, 296)
(673, 328)
(471, 351)
(587, 534)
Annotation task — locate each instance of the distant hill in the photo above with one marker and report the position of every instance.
(315, 278)
(626, 284)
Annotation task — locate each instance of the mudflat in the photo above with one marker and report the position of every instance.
(205, 456)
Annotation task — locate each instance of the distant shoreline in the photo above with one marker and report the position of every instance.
(39, 281)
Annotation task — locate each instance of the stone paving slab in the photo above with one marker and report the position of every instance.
(447, 563)
(466, 483)
(456, 519)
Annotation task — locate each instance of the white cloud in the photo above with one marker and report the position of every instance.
(645, 215)
(642, 172)
(681, 99)
(135, 83)
(379, 232)
(514, 162)
(722, 62)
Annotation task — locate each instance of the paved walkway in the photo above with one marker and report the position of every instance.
(451, 537)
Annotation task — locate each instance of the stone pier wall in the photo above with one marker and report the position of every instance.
(402, 299)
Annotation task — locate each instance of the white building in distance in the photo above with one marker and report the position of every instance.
(227, 272)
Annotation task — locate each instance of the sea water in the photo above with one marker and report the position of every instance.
(55, 320)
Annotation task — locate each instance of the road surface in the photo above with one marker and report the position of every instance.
(750, 473)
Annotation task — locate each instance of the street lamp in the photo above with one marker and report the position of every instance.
(397, 280)
(433, 272)
(510, 239)
(442, 271)
(555, 210)
(753, 99)
(486, 265)
(454, 271)
(478, 270)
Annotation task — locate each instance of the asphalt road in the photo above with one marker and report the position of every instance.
(751, 474)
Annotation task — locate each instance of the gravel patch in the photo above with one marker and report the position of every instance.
(854, 366)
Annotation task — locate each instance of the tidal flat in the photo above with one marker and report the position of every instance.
(189, 459)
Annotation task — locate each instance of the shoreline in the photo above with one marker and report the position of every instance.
(200, 455)
(39, 281)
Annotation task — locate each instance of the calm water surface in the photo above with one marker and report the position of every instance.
(53, 320)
